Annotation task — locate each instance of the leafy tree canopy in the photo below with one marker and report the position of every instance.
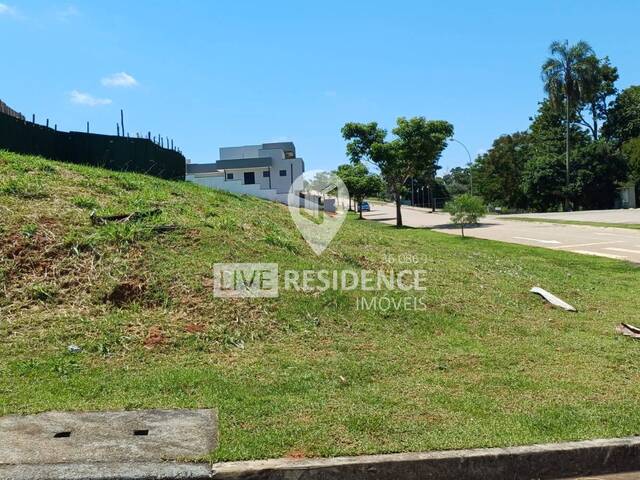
(458, 181)
(623, 121)
(498, 173)
(360, 182)
(596, 171)
(631, 150)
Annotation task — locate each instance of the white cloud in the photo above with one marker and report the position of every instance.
(87, 99)
(68, 12)
(7, 10)
(121, 79)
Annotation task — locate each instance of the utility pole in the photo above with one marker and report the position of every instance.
(567, 146)
(122, 121)
(412, 194)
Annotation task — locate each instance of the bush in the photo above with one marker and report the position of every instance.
(466, 209)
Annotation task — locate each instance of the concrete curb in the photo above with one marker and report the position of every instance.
(549, 461)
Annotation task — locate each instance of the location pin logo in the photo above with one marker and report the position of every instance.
(317, 202)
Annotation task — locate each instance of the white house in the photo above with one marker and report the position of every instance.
(266, 171)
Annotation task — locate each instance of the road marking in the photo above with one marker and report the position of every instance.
(634, 237)
(589, 244)
(599, 254)
(538, 240)
(624, 250)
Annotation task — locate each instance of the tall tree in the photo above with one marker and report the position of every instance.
(421, 143)
(498, 172)
(414, 152)
(596, 170)
(359, 182)
(623, 119)
(565, 74)
(547, 135)
(597, 86)
(542, 182)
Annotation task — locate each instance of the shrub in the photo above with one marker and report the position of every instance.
(466, 209)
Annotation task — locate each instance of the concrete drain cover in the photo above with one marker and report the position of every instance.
(75, 437)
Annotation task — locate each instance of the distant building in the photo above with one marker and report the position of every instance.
(627, 195)
(266, 171)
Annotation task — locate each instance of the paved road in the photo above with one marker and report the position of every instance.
(611, 242)
(631, 215)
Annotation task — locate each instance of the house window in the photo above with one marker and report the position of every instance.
(266, 174)
(229, 176)
(283, 173)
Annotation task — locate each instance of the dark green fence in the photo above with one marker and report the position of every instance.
(115, 153)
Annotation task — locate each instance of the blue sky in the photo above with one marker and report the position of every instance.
(224, 73)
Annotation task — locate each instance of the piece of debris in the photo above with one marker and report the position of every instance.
(552, 299)
(628, 330)
(123, 217)
(74, 349)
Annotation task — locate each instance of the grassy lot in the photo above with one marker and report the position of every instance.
(305, 374)
(633, 226)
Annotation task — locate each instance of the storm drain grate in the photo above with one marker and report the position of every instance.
(145, 435)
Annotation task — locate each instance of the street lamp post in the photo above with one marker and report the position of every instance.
(469, 164)
(412, 194)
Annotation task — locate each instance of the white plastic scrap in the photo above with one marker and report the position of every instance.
(552, 299)
(74, 349)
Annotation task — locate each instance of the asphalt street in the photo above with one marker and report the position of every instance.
(610, 242)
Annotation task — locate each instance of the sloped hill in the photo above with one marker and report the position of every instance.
(480, 362)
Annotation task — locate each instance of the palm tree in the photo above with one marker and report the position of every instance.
(565, 75)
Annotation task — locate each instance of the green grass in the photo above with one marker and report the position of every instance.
(485, 364)
(633, 226)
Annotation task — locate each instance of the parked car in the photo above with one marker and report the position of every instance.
(364, 207)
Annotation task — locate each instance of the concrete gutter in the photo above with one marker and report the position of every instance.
(107, 471)
(550, 461)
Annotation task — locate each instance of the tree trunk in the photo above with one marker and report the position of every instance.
(433, 197)
(398, 210)
(462, 227)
